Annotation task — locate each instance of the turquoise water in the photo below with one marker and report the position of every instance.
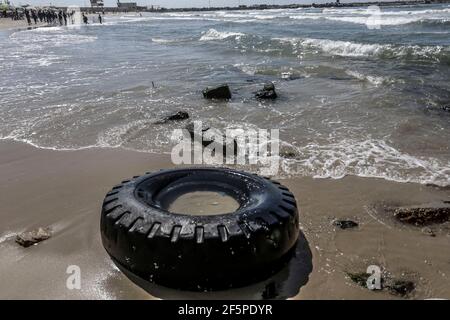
(354, 99)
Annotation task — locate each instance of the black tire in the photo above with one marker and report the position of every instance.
(196, 252)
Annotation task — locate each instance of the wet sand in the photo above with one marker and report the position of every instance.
(8, 23)
(65, 189)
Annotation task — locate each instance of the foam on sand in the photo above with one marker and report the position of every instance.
(368, 158)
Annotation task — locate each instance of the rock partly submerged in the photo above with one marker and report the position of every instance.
(29, 238)
(221, 92)
(177, 116)
(208, 136)
(267, 93)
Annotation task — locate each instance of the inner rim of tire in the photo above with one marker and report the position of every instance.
(165, 190)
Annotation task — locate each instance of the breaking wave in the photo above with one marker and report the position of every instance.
(156, 40)
(369, 158)
(356, 49)
(213, 34)
(375, 80)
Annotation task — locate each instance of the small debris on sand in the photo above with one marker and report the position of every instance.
(428, 231)
(399, 287)
(30, 238)
(345, 224)
(360, 278)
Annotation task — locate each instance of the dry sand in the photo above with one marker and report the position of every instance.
(65, 189)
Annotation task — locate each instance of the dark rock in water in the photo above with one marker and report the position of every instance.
(206, 140)
(401, 287)
(424, 214)
(177, 116)
(268, 92)
(345, 224)
(29, 238)
(446, 108)
(221, 92)
(288, 152)
(190, 128)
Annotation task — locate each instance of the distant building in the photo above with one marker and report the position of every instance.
(127, 5)
(97, 4)
(153, 8)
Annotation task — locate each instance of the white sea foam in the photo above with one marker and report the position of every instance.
(368, 158)
(158, 40)
(375, 80)
(213, 34)
(56, 38)
(356, 49)
(345, 48)
(380, 20)
(246, 68)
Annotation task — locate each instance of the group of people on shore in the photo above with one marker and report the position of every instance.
(49, 16)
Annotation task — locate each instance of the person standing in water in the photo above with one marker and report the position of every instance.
(34, 16)
(85, 19)
(27, 15)
(100, 18)
(65, 18)
(60, 17)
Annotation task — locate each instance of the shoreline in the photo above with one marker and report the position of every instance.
(65, 189)
(8, 24)
(167, 154)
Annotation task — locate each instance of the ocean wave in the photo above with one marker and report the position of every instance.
(56, 38)
(361, 16)
(435, 22)
(376, 20)
(363, 11)
(368, 158)
(159, 40)
(356, 49)
(213, 34)
(374, 80)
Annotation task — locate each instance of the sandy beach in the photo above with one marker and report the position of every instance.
(9, 24)
(365, 112)
(64, 190)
